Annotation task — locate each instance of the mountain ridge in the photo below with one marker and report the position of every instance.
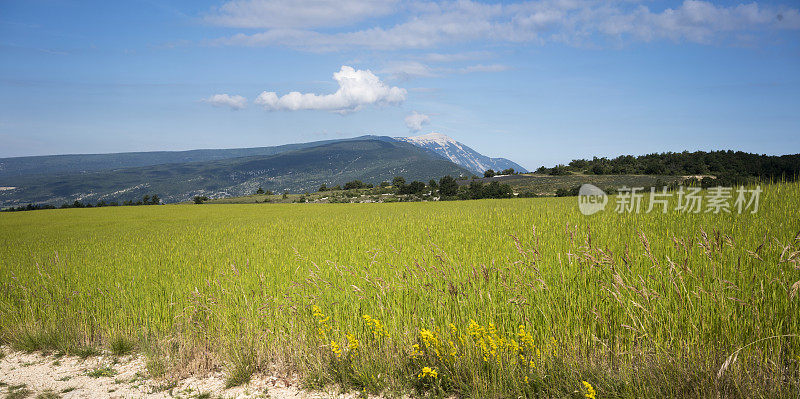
(80, 163)
(178, 175)
(459, 153)
(372, 160)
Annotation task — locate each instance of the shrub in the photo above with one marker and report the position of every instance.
(355, 184)
(121, 345)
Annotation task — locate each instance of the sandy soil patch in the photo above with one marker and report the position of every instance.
(107, 376)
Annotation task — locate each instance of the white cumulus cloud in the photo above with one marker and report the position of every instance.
(415, 121)
(357, 88)
(224, 100)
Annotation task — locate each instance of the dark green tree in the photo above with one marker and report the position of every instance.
(475, 190)
(448, 187)
(559, 170)
(497, 190)
(415, 187)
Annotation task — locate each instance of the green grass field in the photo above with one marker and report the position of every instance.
(485, 298)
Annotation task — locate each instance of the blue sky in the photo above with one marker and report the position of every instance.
(539, 82)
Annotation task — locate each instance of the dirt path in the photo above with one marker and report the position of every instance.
(105, 376)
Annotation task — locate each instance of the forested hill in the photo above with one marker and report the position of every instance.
(370, 160)
(85, 163)
(722, 164)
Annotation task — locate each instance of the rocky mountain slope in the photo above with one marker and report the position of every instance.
(460, 154)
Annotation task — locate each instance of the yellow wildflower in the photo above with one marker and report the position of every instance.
(428, 338)
(416, 352)
(590, 392)
(324, 328)
(474, 328)
(336, 349)
(428, 372)
(376, 326)
(352, 342)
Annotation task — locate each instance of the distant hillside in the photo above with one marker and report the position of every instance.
(370, 160)
(82, 163)
(79, 163)
(460, 154)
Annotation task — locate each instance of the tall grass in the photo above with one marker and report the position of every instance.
(491, 298)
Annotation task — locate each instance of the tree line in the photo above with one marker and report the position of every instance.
(446, 188)
(492, 173)
(727, 166)
(146, 200)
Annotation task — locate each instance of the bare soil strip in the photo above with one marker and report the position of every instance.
(107, 376)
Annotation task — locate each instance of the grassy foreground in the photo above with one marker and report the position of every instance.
(488, 298)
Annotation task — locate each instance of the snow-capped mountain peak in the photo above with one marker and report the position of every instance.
(433, 137)
(458, 153)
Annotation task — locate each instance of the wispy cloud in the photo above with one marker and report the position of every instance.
(306, 14)
(484, 68)
(234, 102)
(357, 88)
(407, 70)
(415, 121)
(456, 57)
(576, 22)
